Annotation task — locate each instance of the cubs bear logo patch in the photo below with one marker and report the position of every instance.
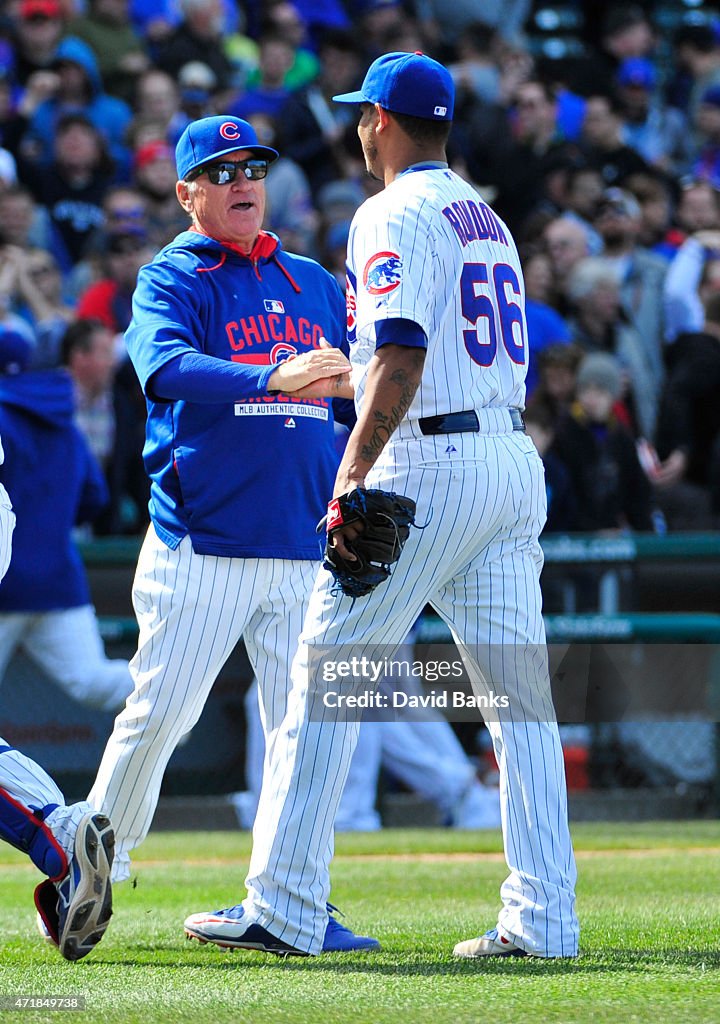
(382, 273)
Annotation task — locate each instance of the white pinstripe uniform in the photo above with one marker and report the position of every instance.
(428, 249)
(21, 777)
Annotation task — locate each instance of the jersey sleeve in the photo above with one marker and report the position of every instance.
(166, 320)
(393, 257)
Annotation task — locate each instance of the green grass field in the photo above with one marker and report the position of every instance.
(648, 898)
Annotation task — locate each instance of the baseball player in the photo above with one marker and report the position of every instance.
(72, 845)
(227, 339)
(438, 344)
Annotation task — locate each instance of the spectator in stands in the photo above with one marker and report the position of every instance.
(557, 368)
(269, 93)
(448, 21)
(544, 324)
(109, 410)
(285, 20)
(693, 275)
(198, 37)
(23, 222)
(600, 325)
(697, 52)
(73, 187)
(706, 161)
(39, 300)
(603, 140)
(38, 29)
(154, 21)
(155, 177)
(109, 300)
(198, 92)
(79, 92)
(561, 501)
(311, 124)
(698, 206)
(688, 436)
(121, 53)
(289, 211)
(625, 32)
(612, 490)
(656, 232)
(335, 250)
(584, 193)
(157, 100)
(567, 243)
(657, 132)
(477, 73)
(520, 160)
(55, 483)
(641, 277)
(376, 22)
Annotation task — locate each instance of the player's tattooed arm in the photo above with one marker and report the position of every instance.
(393, 378)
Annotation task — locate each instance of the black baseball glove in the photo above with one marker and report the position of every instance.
(385, 518)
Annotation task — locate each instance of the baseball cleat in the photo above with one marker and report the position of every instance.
(228, 930)
(489, 944)
(339, 939)
(84, 896)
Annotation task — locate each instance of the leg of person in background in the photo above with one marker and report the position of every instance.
(428, 758)
(421, 749)
(72, 845)
(67, 646)
(357, 811)
(245, 802)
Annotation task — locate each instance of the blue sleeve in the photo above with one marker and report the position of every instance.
(94, 496)
(344, 411)
(397, 331)
(196, 377)
(167, 322)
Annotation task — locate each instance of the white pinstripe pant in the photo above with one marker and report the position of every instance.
(20, 776)
(477, 562)
(192, 610)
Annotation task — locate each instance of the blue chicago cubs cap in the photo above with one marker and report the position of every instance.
(407, 83)
(211, 138)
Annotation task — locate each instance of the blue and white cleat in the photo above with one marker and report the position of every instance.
(489, 944)
(74, 913)
(339, 939)
(228, 930)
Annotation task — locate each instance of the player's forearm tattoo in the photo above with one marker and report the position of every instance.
(407, 381)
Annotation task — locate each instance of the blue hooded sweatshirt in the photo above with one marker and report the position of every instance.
(249, 478)
(54, 482)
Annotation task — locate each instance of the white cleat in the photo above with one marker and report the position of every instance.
(489, 944)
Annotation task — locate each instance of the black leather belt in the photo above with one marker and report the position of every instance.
(462, 422)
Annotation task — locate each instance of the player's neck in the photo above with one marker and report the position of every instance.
(409, 157)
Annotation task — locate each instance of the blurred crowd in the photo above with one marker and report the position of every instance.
(603, 156)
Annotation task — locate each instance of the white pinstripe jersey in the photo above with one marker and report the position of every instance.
(428, 249)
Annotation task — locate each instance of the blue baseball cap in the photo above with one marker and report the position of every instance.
(637, 72)
(15, 351)
(211, 138)
(407, 83)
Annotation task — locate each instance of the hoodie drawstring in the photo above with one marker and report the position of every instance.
(287, 274)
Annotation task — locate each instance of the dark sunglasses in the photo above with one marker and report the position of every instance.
(225, 171)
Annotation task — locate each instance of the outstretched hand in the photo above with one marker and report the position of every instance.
(322, 373)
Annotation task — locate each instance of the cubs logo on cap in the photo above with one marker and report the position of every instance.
(212, 138)
(407, 83)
